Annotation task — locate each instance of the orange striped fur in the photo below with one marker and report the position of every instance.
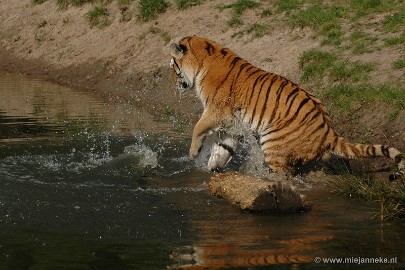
(293, 125)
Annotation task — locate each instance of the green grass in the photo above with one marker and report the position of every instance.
(150, 9)
(390, 196)
(166, 37)
(362, 42)
(400, 63)
(395, 22)
(314, 63)
(350, 82)
(66, 3)
(365, 7)
(38, 1)
(124, 2)
(62, 3)
(257, 30)
(344, 97)
(184, 4)
(266, 13)
(238, 8)
(344, 71)
(325, 20)
(97, 16)
(288, 5)
(397, 40)
(317, 64)
(317, 16)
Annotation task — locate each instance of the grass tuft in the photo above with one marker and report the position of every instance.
(266, 13)
(317, 16)
(288, 5)
(38, 1)
(398, 64)
(394, 22)
(323, 19)
(97, 16)
(398, 40)
(238, 8)
(257, 30)
(314, 63)
(184, 4)
(345, 96)
(365, 7)
(150, 9)
(391, 196)
(362, 42)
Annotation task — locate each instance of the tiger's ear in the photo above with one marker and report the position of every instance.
(177, 50)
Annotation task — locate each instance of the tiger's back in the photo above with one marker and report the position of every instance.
(293, 125)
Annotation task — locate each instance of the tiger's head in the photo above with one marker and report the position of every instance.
(187, 60)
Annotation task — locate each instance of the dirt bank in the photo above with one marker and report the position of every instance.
(127, 60)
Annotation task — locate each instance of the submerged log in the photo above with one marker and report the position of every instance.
(255, 194)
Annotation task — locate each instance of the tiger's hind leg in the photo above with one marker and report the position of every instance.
(276, 158)
(222, 152)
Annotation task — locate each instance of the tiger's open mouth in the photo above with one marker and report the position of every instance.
(181, 84)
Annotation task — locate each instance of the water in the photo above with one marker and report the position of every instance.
(88, 184)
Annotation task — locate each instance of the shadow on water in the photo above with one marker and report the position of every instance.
(85, 184)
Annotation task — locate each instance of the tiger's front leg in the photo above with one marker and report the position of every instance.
(204, 126)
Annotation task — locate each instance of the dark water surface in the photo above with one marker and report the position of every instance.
(75, 193)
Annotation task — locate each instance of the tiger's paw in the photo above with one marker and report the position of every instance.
(221, 154)
(194, 151)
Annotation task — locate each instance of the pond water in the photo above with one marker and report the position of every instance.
(75, 193)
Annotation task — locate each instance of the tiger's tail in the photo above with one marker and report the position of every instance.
(353, 150)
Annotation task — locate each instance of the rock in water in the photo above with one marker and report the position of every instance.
(255, 194)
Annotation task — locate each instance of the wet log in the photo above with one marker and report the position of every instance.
(254, 194)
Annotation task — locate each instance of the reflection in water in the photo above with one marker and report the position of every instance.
(89, 185)
(31, 107)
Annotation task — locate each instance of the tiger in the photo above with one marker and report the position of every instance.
(292, 125)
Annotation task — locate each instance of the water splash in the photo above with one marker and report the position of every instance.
(147, 158)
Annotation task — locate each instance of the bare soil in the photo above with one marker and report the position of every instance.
(127, 60)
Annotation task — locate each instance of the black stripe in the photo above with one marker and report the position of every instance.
(373, 150)
(303, 102)
(319, 127)
(210, 48)
(264, 106)
(253, 73)
(290, 106)
(325, 136)
(224, 52)
(384, 150)
(233, 63)
(369, 150)
(291, 94)
(265, 134)
(302, 124)
(240, 70)
(258, 78)
(227, 148)
(273, 80)
(257, 100)
(283, 84)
